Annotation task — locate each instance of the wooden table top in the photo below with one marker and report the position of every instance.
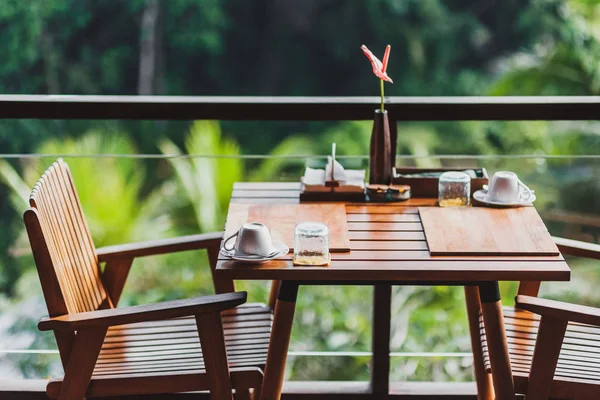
(387, 244)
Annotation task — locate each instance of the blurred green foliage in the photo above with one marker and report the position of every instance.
(206, 181)
(282, 47)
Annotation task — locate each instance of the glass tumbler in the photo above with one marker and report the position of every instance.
(311, 244)
(454, 189)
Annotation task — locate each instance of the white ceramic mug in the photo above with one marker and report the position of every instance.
(505, 187)
(253, 239)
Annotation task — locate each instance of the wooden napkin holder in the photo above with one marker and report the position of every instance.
(332, 190)
(331, 193)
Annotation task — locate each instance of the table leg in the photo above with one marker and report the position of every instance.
(280, 341)
(273, 293)
(491, 307)
(485, 390)
(380, 363)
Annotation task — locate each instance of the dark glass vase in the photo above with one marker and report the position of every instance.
(380, 155)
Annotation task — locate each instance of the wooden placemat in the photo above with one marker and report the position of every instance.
(486, 231)
(282, 218)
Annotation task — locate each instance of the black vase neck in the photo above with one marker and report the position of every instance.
(380, 165)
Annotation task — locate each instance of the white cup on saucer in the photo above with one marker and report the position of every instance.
(253, 239)
(505, 187)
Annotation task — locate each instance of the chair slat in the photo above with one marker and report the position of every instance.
(63, 245)
(68, 246)
(82, 229)
(81, 254)
(40, 203)
(67, 237)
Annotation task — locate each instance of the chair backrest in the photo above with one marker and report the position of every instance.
(62, 246)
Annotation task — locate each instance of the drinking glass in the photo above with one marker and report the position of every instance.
(311, 244)
(454, 189)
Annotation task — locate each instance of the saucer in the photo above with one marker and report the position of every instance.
(280, 250)
(481, 196)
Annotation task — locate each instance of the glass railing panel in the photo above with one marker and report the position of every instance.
(29, 364)
(146, 195)
(431, 366)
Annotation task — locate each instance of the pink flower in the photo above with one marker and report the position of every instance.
(379, 68)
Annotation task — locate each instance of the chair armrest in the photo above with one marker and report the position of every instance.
(577, 248)
(560, 310)
(163, 246)
(143, 313)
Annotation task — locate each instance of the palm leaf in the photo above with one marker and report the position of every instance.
(207, 174)
(19, 189)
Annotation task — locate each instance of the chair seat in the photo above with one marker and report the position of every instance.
(169, 351)
(579, 361)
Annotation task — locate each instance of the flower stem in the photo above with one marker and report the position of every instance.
(381, 86)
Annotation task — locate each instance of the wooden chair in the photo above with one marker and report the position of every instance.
(174, 346)
(554, 347)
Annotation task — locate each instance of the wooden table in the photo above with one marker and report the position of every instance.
(388, 248)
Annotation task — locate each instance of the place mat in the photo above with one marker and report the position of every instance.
(282, 218)
(483, 231)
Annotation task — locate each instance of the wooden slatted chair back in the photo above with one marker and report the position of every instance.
(62, 246)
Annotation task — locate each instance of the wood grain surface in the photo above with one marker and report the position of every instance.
(150, 357)
(486, 231)
(388, 246)
(576, 372)
(282, 218)
(387, 243)
(139, 354)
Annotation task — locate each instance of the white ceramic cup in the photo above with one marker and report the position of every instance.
(504, 188)
(253, 239)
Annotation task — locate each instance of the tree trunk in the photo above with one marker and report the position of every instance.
(293, 18)
(50, 56)
(151, 74)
